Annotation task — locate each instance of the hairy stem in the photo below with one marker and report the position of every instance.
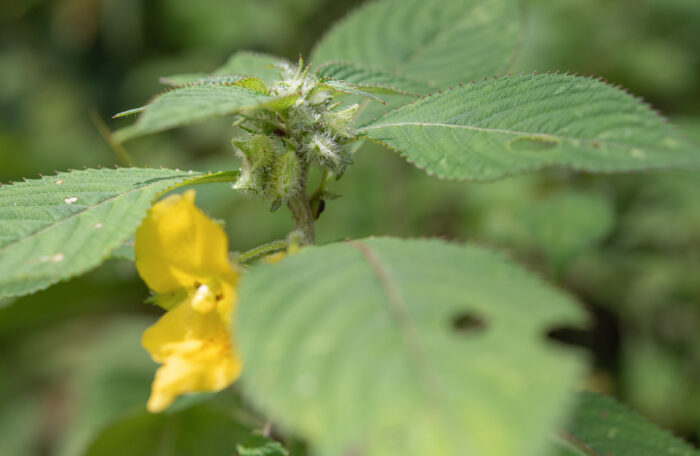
(300, 206)
(262, 250)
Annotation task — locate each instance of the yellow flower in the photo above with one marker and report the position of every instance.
(182, 255)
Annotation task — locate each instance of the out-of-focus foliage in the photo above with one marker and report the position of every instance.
(422, 39)
(66, 64)
(648, 46)
(379, 342)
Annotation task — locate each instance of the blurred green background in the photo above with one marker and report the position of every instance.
(627, 246)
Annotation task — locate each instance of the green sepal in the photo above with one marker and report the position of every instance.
(340, 122)
(168, 300)
(258, 153)
(284, 180)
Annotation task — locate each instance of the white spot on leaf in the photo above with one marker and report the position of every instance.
(55, 258)
(70, 200)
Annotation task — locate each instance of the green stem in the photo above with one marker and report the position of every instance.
(262, 250)
(300, 206)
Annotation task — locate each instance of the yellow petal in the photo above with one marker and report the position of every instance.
(178, 246)
(195, 350)
(179, 376)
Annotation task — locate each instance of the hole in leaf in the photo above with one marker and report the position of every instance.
(468, 322)
(573, 337)
(533, 143)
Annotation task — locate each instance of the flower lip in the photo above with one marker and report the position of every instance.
(204, 299)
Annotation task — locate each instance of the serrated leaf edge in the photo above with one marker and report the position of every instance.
(183, 181)
(538, 167)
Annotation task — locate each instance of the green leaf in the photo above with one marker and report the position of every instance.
(396, 90)
(602, 427)
(61, 226)
(511, 125)
(370, 79)
(259, 445)
(388, 347)
(193, 103)
(248, 82)
(262, 66)
(200, 430)
(347, 88)
(438, 42)
(567, 224)
(124, 251)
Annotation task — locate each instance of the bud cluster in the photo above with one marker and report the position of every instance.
(305, 126)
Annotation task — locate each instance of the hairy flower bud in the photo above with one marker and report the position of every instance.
(340, 122)
(322, 150)
(318, 96)
(258, 154)
(304, 118)
(284, 179)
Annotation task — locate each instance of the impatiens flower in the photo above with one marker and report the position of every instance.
(182, 255)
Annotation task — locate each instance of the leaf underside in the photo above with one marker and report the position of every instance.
(492, 129)
(436, 42)
(60, 226)
(359, 347)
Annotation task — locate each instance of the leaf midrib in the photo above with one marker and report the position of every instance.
(87, 208)
(396, 307)
(421, 363)
(498, 130)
